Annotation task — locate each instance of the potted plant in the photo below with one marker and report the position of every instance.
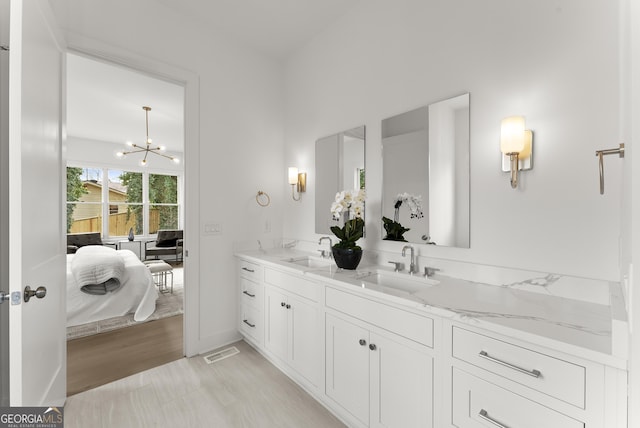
(395, 231)
(349, 206)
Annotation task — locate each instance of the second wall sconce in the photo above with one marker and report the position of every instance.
(516, 145)
(297, 180)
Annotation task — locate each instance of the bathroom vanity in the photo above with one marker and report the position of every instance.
(383, 348)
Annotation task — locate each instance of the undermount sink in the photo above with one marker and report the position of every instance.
(398, 281)
(307, 261)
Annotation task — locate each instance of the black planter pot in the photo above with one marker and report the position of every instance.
(346, 258)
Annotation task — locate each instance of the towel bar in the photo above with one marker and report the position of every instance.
(601, 154)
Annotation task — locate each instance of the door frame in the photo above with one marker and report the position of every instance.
(100, 51)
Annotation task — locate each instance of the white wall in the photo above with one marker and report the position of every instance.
(555, 63)
(240, 134)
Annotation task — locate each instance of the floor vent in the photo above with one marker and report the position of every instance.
(221, 355)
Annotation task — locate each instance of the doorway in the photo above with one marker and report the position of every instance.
(109, 105)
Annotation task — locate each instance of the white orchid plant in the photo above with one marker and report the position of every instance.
(349, 204)
(395, 231)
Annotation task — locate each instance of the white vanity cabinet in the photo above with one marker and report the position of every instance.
(382, 379)
(251, 301)
(292, 323)
(498, 382)
(378, 360)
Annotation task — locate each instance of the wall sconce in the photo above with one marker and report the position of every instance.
(516, 144)
(299, 180)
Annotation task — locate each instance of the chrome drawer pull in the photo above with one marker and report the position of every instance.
(248, 323)
(248, 270)
(484, 415)
(532, 373)
(248, 294)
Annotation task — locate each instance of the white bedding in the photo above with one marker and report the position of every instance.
(137, 294)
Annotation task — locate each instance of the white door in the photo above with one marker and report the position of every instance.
(347, 373)
(37, 347)
(304, 321)
(275, 339)
(401, 383)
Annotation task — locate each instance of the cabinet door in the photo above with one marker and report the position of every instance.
(304, 338)
(347, 366)
(401, 383)
(275, 322)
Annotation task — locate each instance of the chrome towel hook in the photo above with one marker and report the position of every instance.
(600, 154)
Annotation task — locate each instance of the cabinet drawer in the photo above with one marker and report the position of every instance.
(412, 326)
(251, 293)
(250, 270)
(549, 375)
(300, 286)
(477, 403)
(251, 322)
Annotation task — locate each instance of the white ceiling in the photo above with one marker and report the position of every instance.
(274, 27)
(104, 102)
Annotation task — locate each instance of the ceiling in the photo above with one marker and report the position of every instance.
(276, 28)
(105, 100)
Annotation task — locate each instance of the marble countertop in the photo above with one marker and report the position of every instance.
(568, 325)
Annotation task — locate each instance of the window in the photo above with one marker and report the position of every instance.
(140, 201)
(163, 202)
(84, 200)
(125, 191)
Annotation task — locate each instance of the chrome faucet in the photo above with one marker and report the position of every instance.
(412, 266)
(325, 253)
(429, 271)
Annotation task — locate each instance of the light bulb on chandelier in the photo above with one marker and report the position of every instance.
(147, 148)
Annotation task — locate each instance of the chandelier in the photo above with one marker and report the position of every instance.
(147, 148)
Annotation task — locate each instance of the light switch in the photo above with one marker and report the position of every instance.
(213, 229)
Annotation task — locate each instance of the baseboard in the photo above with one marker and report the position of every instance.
(216, 341)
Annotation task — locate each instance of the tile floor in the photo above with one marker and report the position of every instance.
(241, 391)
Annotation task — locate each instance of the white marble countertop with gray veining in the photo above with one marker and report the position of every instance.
(567, 325)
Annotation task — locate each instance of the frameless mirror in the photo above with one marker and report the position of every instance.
(425, 157)
(339, 166)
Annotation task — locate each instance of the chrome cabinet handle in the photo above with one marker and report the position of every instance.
(248, 270)
(248, 294)
(248, 323)
(372, 346)
(484, 415)
(532, 373)
(362, 342)
(282, 304)
(288, 306)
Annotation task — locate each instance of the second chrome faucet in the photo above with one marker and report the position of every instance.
(412, 266)
(325, 253)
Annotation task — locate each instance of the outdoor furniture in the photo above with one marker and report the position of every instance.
(167, 243)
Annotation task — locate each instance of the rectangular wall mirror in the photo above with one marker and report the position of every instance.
(425, 153)
(339, 166)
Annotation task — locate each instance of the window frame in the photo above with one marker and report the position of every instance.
(106, 203)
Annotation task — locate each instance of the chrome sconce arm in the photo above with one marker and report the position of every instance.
(600, 154)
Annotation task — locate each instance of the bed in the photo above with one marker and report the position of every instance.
(136, 292)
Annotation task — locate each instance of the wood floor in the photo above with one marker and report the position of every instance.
(244, 390)
(96, 360)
